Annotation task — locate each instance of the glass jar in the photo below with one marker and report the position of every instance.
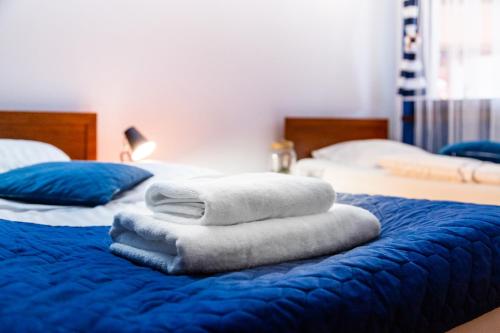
(283, 156)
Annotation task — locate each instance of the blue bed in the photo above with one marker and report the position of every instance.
(435, 266)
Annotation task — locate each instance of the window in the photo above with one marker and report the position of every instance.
(463, 48)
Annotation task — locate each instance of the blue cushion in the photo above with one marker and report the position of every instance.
(481, 150)
(70, 183)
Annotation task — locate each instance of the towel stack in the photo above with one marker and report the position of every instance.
(236, 222)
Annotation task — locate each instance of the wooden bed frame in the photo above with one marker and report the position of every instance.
(309, 134)
(73, 133)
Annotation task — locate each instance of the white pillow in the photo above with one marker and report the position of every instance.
(18, 153)
(364, 153)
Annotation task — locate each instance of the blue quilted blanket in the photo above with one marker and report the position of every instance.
(436, 265)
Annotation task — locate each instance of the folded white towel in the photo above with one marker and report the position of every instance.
(450, 168)
(176, 248)
(487, 173)
(239, 198)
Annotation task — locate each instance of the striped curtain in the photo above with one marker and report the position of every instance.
(441, 122)
(450, 61)
(411, 81)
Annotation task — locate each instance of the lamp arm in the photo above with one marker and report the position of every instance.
(125, 153)
(125, 156)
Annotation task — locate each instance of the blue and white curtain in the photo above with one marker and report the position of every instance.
(411, 76)
(450, 62)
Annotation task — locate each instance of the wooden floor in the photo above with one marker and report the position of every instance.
(487, 323)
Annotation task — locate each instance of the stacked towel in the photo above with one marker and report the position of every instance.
(238, 199)
(176, 248)
(237, 222)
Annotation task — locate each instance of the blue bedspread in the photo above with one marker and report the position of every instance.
(436, 265)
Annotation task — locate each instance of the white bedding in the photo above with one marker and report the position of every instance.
(438, 167)
(132, 200)
(352, 179)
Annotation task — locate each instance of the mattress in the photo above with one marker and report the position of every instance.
(352, 179)
(435, 266)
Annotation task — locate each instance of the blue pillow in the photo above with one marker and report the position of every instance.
(75, 183)
(481, 150)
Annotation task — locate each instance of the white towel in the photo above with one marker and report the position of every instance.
(176, 248)
(239, 198)
(487, 173)
(449, 168)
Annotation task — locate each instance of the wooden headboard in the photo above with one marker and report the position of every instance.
(74, 133)
(309, 134)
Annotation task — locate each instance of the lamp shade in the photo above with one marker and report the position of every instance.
(140, 147)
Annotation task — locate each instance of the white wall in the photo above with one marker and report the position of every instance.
(209, 80)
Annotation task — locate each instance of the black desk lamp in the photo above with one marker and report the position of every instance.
(136, 147)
